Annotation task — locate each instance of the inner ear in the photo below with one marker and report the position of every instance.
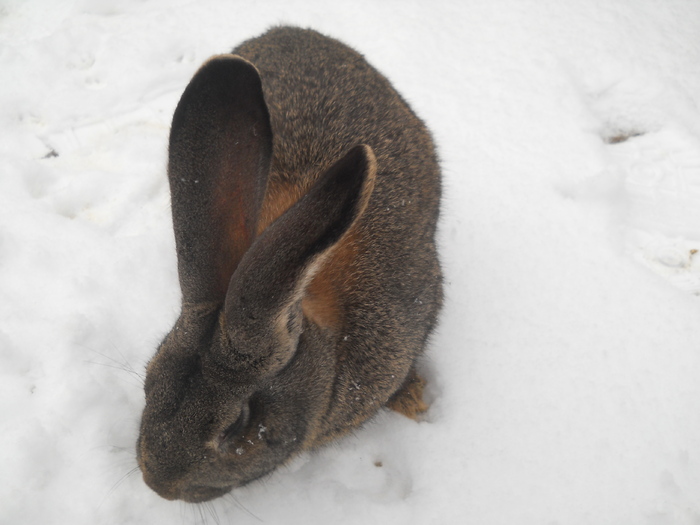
(219, 158)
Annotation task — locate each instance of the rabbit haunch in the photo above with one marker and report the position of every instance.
(305, 195)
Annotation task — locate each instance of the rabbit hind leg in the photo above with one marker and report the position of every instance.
(408, 400)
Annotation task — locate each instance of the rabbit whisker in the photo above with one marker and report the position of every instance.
(117, 484)
(211, 508)
(122, 365)
(240, 505)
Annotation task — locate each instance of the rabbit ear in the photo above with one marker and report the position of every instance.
(262, 316)
(220, 149)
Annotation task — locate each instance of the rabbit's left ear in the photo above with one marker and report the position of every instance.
(219, 158)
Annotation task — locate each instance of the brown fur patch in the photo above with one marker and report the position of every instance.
(279, 197)
(409, 399)
(323, 303)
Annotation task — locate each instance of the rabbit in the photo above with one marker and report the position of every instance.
(305, 196)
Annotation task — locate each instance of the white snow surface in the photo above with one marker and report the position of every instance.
(564, 378)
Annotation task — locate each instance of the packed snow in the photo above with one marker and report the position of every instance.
(564, 378)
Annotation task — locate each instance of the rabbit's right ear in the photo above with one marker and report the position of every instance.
(263, 318)
(219, 158)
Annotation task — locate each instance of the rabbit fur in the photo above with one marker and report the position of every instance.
(305, 196)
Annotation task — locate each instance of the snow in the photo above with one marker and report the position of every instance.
(563, 378)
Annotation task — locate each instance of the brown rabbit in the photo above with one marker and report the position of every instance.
(305, 197)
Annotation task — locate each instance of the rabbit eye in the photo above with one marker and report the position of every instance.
(238, 426)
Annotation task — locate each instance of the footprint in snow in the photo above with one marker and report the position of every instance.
(657, 164)
(660, 188)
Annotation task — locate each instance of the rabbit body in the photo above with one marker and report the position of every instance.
(305, 195)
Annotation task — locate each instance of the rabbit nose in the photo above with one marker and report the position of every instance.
(150, 471)
(169, 491)
(201, 493)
